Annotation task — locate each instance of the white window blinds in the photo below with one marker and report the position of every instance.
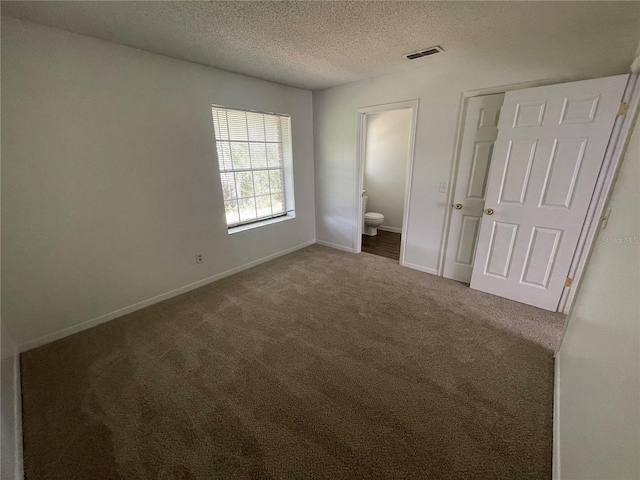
(254, 150)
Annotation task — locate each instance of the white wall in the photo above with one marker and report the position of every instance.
(439, 87)
(386, 151)
(109, 176)
(598, 365)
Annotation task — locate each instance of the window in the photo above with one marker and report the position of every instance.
(254, 154)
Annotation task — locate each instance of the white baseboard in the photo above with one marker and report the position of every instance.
(432, 271)
(390, 229)
(17, 416)
(555, 462)
(65, 332)
(335, 245)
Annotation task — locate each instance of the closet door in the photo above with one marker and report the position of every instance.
(547, 158)
(479, 134)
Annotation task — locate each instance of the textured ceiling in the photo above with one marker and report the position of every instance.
(316, 45)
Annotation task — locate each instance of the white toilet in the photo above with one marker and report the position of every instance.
(372, 220)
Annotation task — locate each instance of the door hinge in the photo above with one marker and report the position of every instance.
(624, 107)
(568, 282)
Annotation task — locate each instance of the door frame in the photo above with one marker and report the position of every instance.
(613, 155)
(620, 136)
(361, 136)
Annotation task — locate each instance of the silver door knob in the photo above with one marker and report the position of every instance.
(489, 211)
(457, 206)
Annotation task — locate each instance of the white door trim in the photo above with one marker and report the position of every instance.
(619, 139)
(361, 132)
(620, 135)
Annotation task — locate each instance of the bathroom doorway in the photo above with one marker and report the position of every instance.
(386, 136)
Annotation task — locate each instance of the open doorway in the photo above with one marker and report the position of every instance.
(385, 159)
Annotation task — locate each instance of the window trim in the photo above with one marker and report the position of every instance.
(286, 144)
(261, 223)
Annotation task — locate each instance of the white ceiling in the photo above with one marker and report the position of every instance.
(315, 45)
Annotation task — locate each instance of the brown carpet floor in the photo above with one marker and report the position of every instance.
(320, 364)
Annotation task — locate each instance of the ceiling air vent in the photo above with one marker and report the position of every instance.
(424, 53)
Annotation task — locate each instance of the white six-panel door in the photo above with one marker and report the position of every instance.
(479, 133)
(547, 158)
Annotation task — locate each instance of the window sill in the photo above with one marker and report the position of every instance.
(262, 223)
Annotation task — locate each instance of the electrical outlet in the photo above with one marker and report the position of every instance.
(199, 258)
(443, 187)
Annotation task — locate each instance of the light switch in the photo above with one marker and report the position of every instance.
(443, 187)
